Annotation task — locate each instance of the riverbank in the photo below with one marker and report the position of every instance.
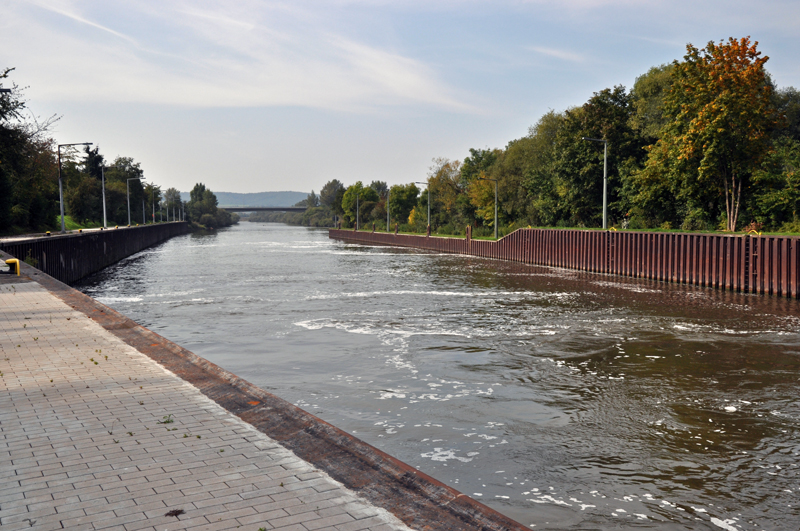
(746, 264)
(126, 428)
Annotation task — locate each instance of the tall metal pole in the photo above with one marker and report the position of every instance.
(357, 210)
(144, 219)
(605, 185)
(154, 205)
(128, 191)
(605, 177)
(61, 193)
(103, 175)
(387, 210)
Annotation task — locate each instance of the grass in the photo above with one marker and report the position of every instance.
(71, 224)
(491, 238)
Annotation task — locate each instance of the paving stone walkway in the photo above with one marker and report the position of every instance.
(95, 435)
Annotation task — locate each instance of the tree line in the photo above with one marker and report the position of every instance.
(708, 142)
(29, 195)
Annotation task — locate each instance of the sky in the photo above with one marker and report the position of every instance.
(252, 96)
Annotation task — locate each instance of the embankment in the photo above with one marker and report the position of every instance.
(748, 264)
(71, 257)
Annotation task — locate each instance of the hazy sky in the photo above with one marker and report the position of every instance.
(250, 96)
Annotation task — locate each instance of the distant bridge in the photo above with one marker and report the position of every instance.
(264, 209)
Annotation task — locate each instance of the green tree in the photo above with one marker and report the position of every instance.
(543, 191)
(380, 187)
(578, 167)
(202, 202)
(402, 199)
(367, 198)
(787, 105)
(28, 188)
(329, 194)
(479, 160)
(118, 188)
(444, 180)
(720, 115)
(777, 185)
(647, 101)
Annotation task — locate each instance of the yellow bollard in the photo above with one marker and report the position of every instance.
(14, 262)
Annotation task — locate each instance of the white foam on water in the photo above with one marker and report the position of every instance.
(546, 498)
(112, 300)
(724, 524)
(440, 454)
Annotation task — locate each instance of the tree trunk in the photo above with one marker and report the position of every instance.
(727, 205)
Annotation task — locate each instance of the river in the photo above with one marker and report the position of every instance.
(565, 400)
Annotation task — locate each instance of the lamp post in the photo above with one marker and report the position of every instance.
(357, 209)
(495, 202)
(60, 187)
(605, 177)
(428, 185)
(387, 210)
(128, 191)
(103, 179)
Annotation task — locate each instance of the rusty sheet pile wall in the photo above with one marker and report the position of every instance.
(755, 264)
(73, 256)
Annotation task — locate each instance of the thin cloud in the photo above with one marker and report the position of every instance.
(74, 16)
(217, 55)
(564, 55)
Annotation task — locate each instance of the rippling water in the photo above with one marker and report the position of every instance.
(562, 399)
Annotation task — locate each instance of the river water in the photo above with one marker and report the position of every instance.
(563, 399)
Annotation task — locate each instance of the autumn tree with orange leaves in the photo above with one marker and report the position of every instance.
(720, 116)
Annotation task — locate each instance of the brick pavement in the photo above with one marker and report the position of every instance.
(96, 435)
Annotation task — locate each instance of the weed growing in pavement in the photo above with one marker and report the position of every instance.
(167, 419)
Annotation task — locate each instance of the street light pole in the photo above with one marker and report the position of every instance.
(605, 178)
(60, 187)
(387, 210)
(103, 175)
(357, 209)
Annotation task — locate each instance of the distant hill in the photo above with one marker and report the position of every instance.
(266, 199)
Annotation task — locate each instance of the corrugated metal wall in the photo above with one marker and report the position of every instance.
(755, 264)
(71, 257)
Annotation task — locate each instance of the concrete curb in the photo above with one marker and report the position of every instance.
(417, 499)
